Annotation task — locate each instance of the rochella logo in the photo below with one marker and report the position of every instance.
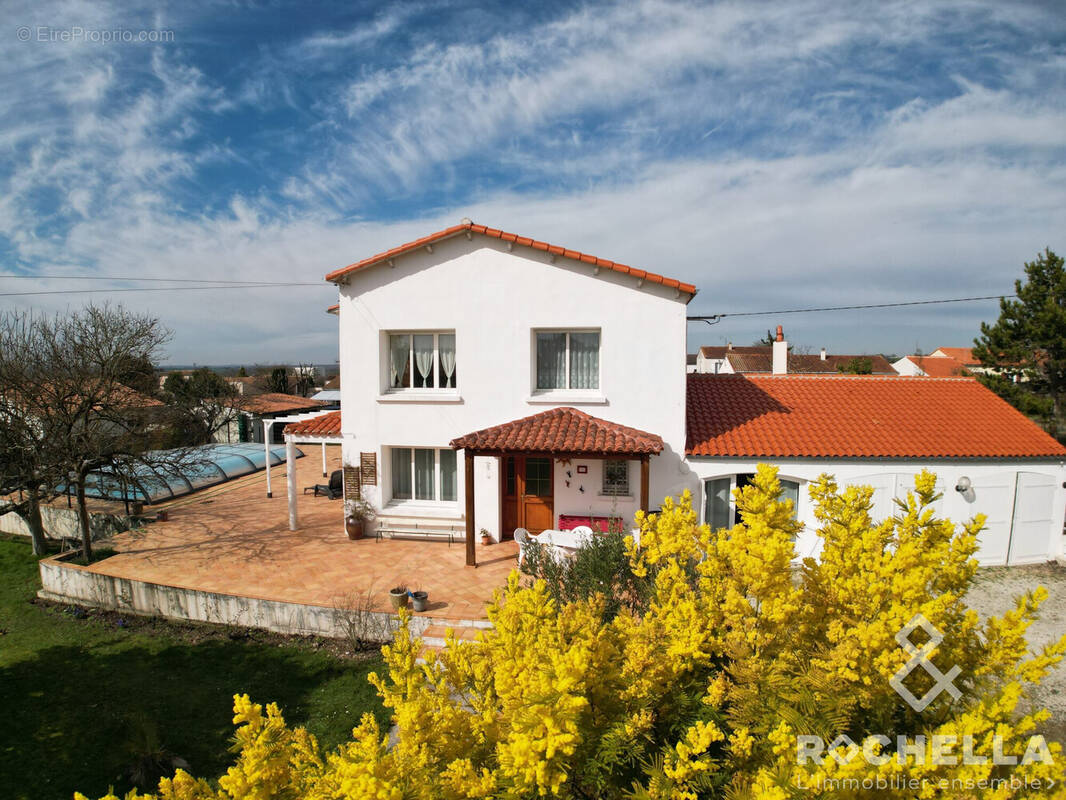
(922, 657)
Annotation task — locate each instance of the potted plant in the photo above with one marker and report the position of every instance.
(398, 597)
(485, 538)
(419, 599)
(360, 512)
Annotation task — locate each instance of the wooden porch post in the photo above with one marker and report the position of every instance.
(471, 555)
(645, 471)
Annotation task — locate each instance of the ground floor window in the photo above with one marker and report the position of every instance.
(422, 473)
(719, 507)
(616, 478)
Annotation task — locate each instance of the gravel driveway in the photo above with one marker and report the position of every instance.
(993, 592)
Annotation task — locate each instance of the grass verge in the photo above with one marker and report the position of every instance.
(79, 689)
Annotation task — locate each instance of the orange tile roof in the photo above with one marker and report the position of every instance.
(524, 241)
(275, 402)
(562, 430)
(939, 366)
(856, 417)
(325, 425)
(962, 354)
(334, 309)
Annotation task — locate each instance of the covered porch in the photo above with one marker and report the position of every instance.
(559, 467)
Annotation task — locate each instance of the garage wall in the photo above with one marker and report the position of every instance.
(1024, 502)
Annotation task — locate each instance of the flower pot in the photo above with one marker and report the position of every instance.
(486, 540)
(354, 528)
(420, 600)
(398, 600)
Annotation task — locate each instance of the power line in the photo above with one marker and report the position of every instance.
(162, 289)
(712, 319)
(155, 280)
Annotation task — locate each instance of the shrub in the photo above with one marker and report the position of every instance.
(600, 567)
(707, 692)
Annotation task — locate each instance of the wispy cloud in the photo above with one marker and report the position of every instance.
(825, 150)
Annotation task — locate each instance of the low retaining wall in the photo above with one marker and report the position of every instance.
(62, 523)
(72, 583)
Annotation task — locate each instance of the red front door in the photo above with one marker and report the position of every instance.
(527, 493)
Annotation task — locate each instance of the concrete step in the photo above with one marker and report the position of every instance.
(436, 635)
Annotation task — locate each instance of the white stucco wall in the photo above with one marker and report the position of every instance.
(906, 367)
(1037, 488)
(494, 300)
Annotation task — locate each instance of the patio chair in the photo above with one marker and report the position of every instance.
(333, 489)
(521, 535)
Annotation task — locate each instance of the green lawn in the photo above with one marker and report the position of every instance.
(75, 691)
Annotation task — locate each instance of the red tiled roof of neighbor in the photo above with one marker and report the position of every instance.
(274, 402)
(561, 430)
(939, 366)
(961, 354)
(524, 241)
(334, 309)
(804, 363)
(856, 416)
(325, 425)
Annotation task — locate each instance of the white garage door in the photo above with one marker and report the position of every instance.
(1033, 506)
(994, 497)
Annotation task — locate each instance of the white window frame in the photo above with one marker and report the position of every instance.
(733, 487)
(438, 478)
(605, 490)
(437, 373)
(593, 394)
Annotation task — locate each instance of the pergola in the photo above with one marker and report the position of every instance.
(316, 427)
(559, 433)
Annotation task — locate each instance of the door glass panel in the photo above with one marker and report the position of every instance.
(743, 480)
(401, 473)
(716, 502)
(448, 485)
(538, 477)
(424, 478)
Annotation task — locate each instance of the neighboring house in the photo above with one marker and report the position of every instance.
(691, 362)
(253, 411)
(246, 385)
(881, 432)
(523, 355)
(730, 360)
(945, 362)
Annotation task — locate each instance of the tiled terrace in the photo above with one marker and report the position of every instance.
(232, 539)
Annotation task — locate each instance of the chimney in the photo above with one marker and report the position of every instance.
(823, 354)
(729, 346)
(780, 353)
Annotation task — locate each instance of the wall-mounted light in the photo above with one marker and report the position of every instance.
(964, 486)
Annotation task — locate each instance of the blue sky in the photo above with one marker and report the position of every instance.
(777, 155)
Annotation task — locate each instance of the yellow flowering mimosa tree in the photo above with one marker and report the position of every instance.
(739, 675)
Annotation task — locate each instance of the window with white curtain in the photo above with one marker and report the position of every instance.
(421, 361)
(424, 474)
(567, 360)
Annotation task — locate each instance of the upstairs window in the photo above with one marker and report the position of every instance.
(422, 361)
(568, 360)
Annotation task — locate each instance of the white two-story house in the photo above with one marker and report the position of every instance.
(493, 382)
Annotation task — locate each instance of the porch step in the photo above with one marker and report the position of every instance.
(422, 527)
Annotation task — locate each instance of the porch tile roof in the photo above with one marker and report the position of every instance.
(561, 430)
(324, 425)
(856, 416)
(524, 241)
(276, 403)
